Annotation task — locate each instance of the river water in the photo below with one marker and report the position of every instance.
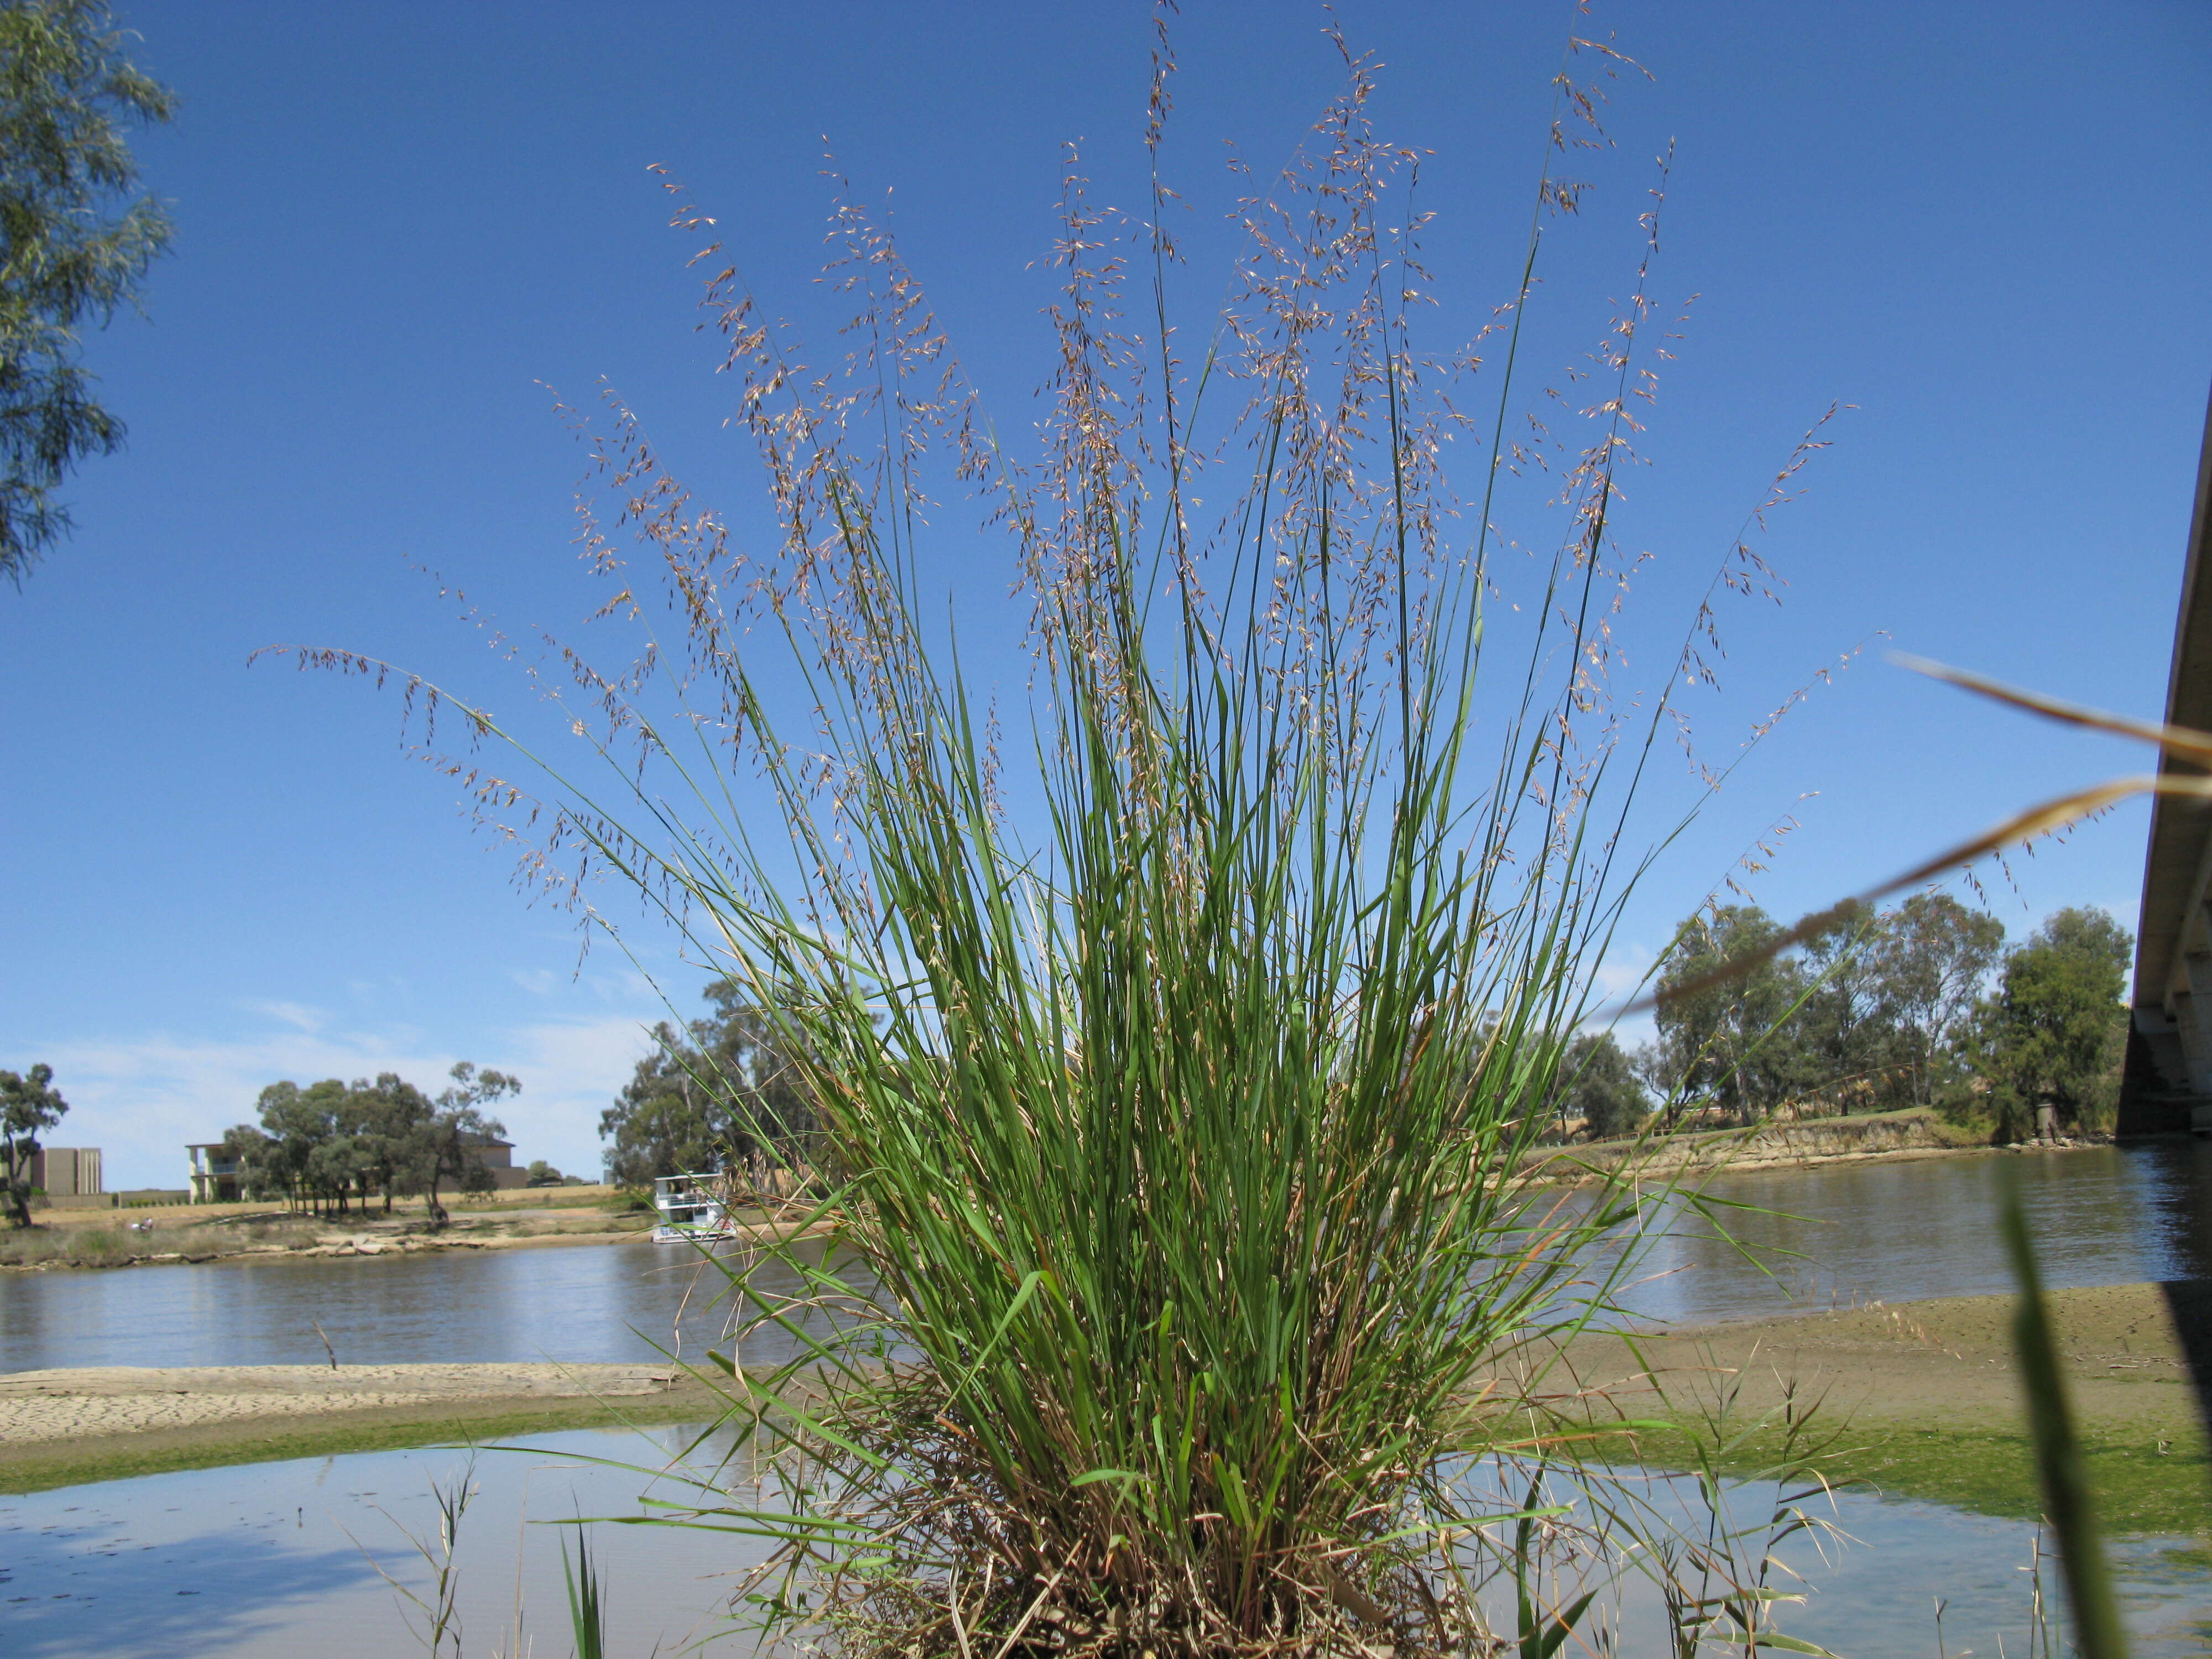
(1824, 1236)
(279, 1558)
(1844, 1234)
(275, 1560)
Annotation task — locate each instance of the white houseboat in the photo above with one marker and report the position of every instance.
(691, 1208)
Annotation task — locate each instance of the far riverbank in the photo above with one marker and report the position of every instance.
(66, 1240)
(1915, 1133)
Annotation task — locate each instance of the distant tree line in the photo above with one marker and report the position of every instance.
(720, 1093)
(1919, 1005)
(332, 1145)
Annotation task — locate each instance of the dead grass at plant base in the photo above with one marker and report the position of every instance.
(964, 1566)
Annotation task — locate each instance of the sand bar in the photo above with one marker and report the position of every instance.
(96, 1423)
(99, 1400)
(1929, 1366)
(1936, 1365)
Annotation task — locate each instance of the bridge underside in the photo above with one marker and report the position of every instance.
(2168, 1086)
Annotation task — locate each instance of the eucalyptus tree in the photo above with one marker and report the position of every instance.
(1877, 1010)
(293, 1152)
(29, 1103)
(389, 1119)
(1936, 957)
(2053, 1033)
(1598, 1083)
(1844, 1035)
(331, 1141)
(724, 1089)
(72, 247)
(1732, 1044)
(451, 1144)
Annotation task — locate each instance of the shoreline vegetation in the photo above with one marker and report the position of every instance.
(1914, 1132)
(246, 1233)
(1922, 1398)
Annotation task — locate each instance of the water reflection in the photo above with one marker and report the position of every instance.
(94, 1577)
(1865, 1572)
(155, 1567)
(283, 1559)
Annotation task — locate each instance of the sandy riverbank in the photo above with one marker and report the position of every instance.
(1933, 1364)
(1923, 1399)
(98, 1401)
(98, 1423)
(1910, 1135)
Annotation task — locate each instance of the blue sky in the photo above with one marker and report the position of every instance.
(1986, 226)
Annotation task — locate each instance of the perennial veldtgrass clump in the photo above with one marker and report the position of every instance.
(1176, 1033)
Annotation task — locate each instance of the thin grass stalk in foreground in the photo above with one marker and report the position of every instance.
(588, 1613)
(440, 1612)
(1718, 1575)
(2068, 1505)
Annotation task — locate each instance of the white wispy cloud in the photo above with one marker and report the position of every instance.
(297, 1015)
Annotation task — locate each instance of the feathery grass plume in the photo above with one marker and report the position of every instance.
(1176, 1073)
